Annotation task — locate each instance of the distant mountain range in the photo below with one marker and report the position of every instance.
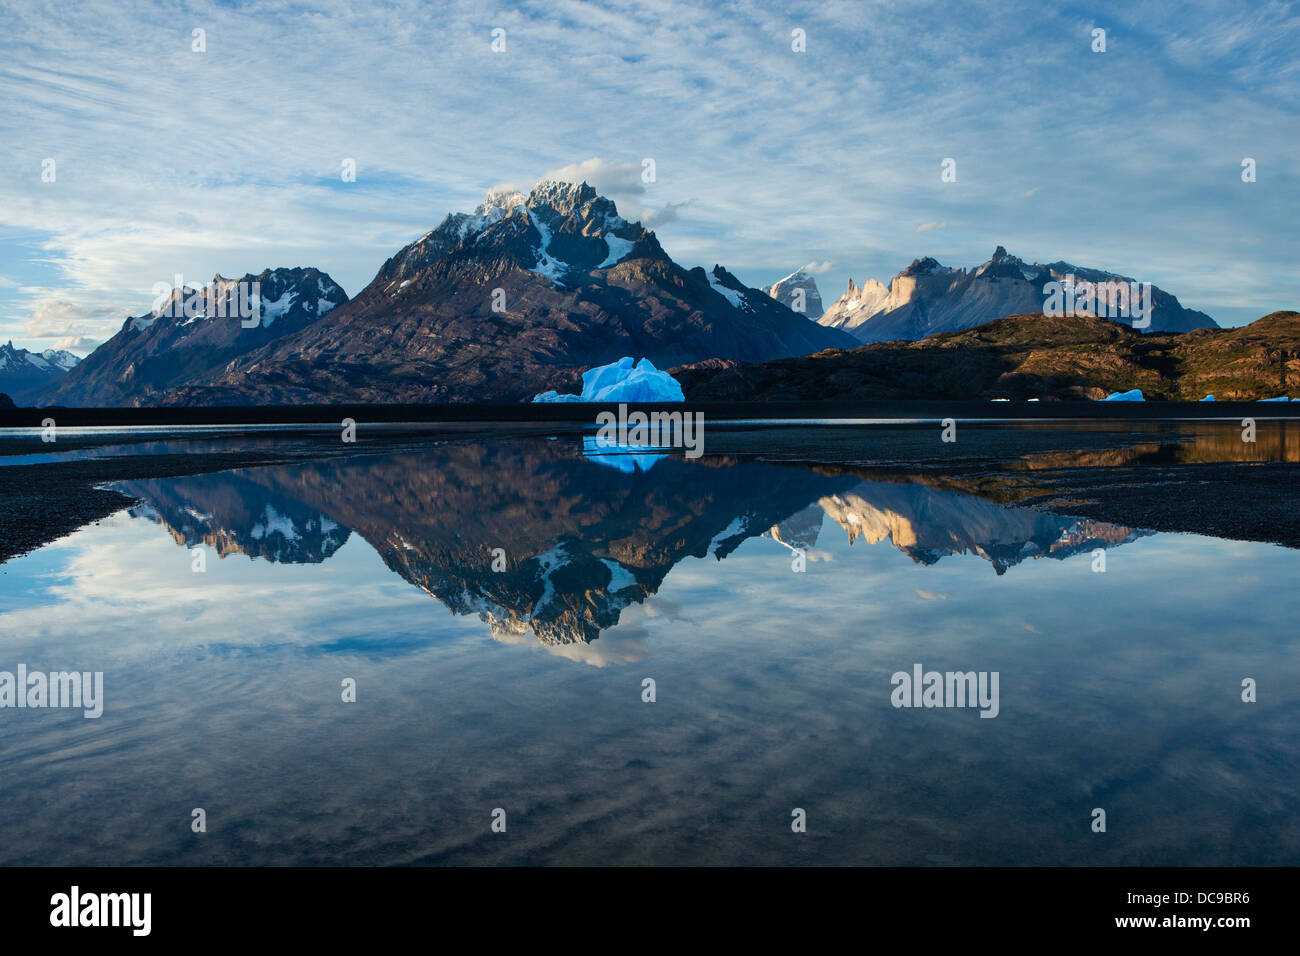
(520, 296)
(528, 291)
(24, 373)
(169, 347)
(928, 298)
(1028, 356)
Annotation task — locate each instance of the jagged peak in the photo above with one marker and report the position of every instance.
(1003, 264)
(500, 201)
(552, 190)
(927, 265)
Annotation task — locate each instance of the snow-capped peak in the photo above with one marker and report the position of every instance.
(60, 358)
(25, 369)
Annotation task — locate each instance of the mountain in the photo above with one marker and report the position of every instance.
(928, 298)
(516, 298)
(786, 292)
(1028, 356)
(927, 524)
(23, 373)
(581, 542)
(173, 345)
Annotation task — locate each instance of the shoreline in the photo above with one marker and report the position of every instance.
(1023, 467)
(731, 412)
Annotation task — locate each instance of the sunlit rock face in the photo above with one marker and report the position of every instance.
(798, 292)
(927, 298)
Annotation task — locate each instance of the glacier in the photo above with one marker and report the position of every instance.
(626, 380)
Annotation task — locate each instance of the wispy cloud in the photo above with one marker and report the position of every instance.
(168, 160)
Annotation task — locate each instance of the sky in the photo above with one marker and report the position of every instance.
(128, 157)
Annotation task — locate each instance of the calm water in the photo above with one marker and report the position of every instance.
(520, 687)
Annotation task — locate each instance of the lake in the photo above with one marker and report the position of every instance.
(499, 606)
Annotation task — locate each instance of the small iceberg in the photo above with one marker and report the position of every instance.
(623, 381)
(1132, 395)
(1280, 398)
(628, 459)
(1208, 398)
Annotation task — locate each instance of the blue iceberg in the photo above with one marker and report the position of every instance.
(626, 458)
(1132, 395)
(1280, 398)
(1208, 398)
(623, 381)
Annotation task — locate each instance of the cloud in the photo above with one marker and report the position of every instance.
(818, 268)
(928, 226)
(775, 152)
(79, 344)
(64, 319)
(658, 218)
(607, 178)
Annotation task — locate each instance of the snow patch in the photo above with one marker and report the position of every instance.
(547, 266)
(731, 295)
(274, 523)
(550, 561)
(276, 310)
(618, 248)
(619, 576)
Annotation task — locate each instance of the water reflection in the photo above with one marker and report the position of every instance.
(1186, 445)
(534, 537)
(1120, 690)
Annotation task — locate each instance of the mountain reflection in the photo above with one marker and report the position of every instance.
(574, 541)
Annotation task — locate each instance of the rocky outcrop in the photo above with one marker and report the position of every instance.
(1030, 356)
